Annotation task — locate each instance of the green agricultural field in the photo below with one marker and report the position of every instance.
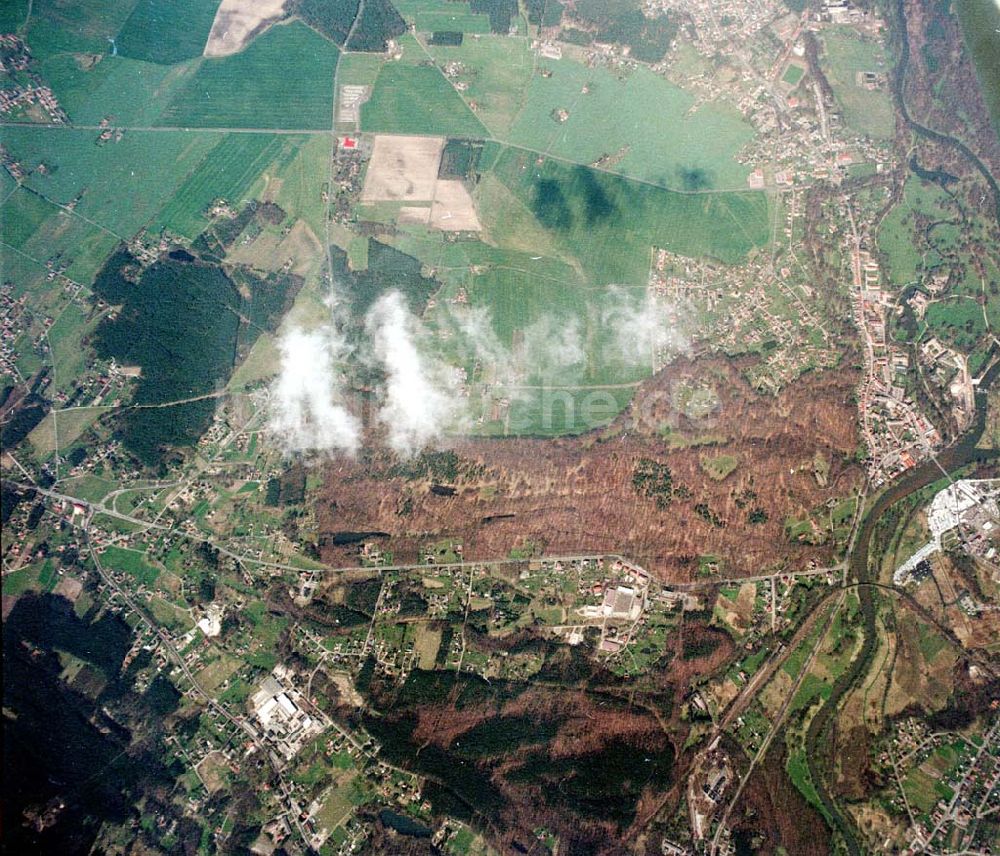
(418, 99)
(167, 31)
(72, 241)
(35, 231)
(284, 79)
(127, 91)
(38, 577)
(296, 184)
(517, 228)
(608, 223)
(63, 428)
(638, 127)
(847, 53)
(119, 185)
(228, 172)
(21, 216)
(25, 274)
(69, 355)
(518, 297)
(497, 70)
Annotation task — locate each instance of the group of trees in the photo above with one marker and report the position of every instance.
(334, 19)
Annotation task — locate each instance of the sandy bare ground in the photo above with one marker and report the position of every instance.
(453, 209)
(238, 21)
(403, 169)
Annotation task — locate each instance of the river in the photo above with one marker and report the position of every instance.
(899, 88)
(952, 459)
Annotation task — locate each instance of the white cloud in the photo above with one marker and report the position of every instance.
(421, 400)
(307, 410)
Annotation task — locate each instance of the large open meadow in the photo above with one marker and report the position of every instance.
(641, 126)
(166, 31)
(608, 223)
(897, 239)
(83, 26)
(496, 71)
(117, 186)
(126, 91)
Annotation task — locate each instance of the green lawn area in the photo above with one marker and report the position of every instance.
(921, 791)
(896, 233)
(793, 74)
(131, 562)
(798, 772)
(930, 642)
(70, 424)
(169, 615)
(66, 338)
(847, 53)
(283, 79)
(167, 31)
(62, 238)
(811, 689)
(339, 803)
(129, 91)
(359, 69)
(719, 466)
(21, 215)
(81, 26)
(39, 577)
(640, 124)
(299, 191)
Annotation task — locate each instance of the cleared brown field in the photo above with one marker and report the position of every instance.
(402, 169)
(453, 209)
(576, 494)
